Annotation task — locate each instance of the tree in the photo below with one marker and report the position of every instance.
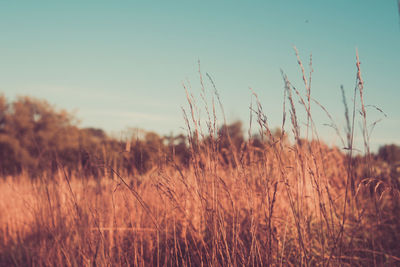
(233, 132)
(32, 134)
(389, 153)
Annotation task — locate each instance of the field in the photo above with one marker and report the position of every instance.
(282, 202)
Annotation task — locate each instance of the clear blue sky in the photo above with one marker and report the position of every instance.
(121, 64)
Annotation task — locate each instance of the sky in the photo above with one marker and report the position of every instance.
(120, 64)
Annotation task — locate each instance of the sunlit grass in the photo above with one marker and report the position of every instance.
(279, 203)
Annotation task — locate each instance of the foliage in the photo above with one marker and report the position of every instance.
(389, 153)
(36, 138)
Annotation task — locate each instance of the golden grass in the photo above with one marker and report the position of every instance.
(256, 214)
(280, 205)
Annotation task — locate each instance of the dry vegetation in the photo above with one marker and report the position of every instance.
(284, 204)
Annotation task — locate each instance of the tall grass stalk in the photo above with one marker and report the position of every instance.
(265, 202)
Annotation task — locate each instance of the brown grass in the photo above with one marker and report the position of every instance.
(285, 204)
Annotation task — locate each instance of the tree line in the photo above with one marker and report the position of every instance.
(37, 139)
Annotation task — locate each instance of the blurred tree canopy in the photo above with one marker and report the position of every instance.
(36, 138)
(389, 153)
(32, 132)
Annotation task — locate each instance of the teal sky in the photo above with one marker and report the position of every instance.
(120, 64)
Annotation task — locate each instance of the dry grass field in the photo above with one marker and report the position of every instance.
(289, 203)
